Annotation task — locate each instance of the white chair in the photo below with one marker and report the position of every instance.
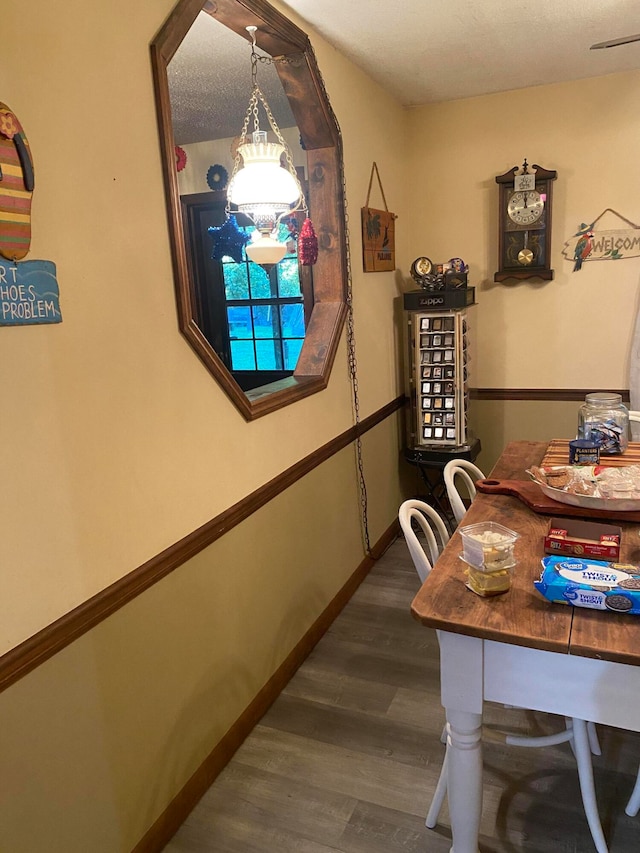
(580, 734)
(633, 806)
(466, 471)
(426, 518)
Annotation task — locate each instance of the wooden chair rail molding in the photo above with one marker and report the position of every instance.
(561, 395)
(50, 640)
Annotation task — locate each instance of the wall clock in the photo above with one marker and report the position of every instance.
(524, 207)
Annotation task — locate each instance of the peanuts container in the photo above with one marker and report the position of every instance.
(488, 549)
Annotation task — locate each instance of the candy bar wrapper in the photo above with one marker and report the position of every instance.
(591, 583)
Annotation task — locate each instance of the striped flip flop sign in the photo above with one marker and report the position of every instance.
(16, 187)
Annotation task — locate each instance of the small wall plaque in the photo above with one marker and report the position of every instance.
(29, 293)
(378, 234)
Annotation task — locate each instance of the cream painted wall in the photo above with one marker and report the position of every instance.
(117, 441)
(498, 422)
(130, 711)
(572, 332)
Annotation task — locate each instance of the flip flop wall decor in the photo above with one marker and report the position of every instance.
(16, 187)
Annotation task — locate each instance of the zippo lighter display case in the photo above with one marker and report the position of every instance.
(437, 380)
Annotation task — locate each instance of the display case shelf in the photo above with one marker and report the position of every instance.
(437, 378)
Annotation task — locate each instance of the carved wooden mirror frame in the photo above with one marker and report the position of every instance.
(319, 131)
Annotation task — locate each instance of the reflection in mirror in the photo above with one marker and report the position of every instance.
(268, 335)
(254, 318)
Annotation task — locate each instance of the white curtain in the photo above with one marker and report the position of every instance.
(634, 377)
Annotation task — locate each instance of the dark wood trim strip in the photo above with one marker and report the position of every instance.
(561, 395)
(50, 640)
(179, 808)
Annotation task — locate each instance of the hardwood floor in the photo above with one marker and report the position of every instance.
(348, 756)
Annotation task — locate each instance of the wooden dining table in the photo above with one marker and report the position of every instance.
(519, 648)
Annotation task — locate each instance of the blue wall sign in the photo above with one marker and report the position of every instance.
(28, 293)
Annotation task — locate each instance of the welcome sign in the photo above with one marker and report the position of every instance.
(591, 243)
(29, 293)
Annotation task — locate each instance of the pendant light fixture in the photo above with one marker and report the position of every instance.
(260, 186)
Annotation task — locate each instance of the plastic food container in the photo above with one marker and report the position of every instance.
(488, 549)
(488, 545)
(489, 583)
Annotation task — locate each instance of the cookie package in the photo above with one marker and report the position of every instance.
(590, 583)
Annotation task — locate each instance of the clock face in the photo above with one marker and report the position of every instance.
(525, 208)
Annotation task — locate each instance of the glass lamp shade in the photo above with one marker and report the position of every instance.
(262, 188)
(266, 251)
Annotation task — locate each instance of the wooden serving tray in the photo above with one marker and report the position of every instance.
(532, 495)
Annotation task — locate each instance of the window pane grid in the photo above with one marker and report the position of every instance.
(265, 312)
(270, 301)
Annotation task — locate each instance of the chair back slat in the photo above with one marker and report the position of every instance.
(460, 469)
(429, 521)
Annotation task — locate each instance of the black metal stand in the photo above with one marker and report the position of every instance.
(431, 461)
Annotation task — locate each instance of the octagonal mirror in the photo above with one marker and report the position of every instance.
(229, 308)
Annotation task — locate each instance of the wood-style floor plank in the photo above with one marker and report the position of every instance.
(347, 758)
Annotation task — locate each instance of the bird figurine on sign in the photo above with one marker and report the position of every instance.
(583, 248)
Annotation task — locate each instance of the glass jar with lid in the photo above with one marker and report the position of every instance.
(604, 418)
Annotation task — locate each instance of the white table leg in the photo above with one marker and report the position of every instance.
(464, 787)
(461, 681)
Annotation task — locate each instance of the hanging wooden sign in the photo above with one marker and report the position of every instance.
(603, 244)
(29, 293)
(378, 234)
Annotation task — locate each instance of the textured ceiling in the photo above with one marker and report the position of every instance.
(422, 51)
(210, 84)
(440, 50)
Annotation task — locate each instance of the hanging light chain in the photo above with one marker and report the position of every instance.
(257, 97)
(353, 373)
(237, 160)
(302, 204)
(351, 341)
